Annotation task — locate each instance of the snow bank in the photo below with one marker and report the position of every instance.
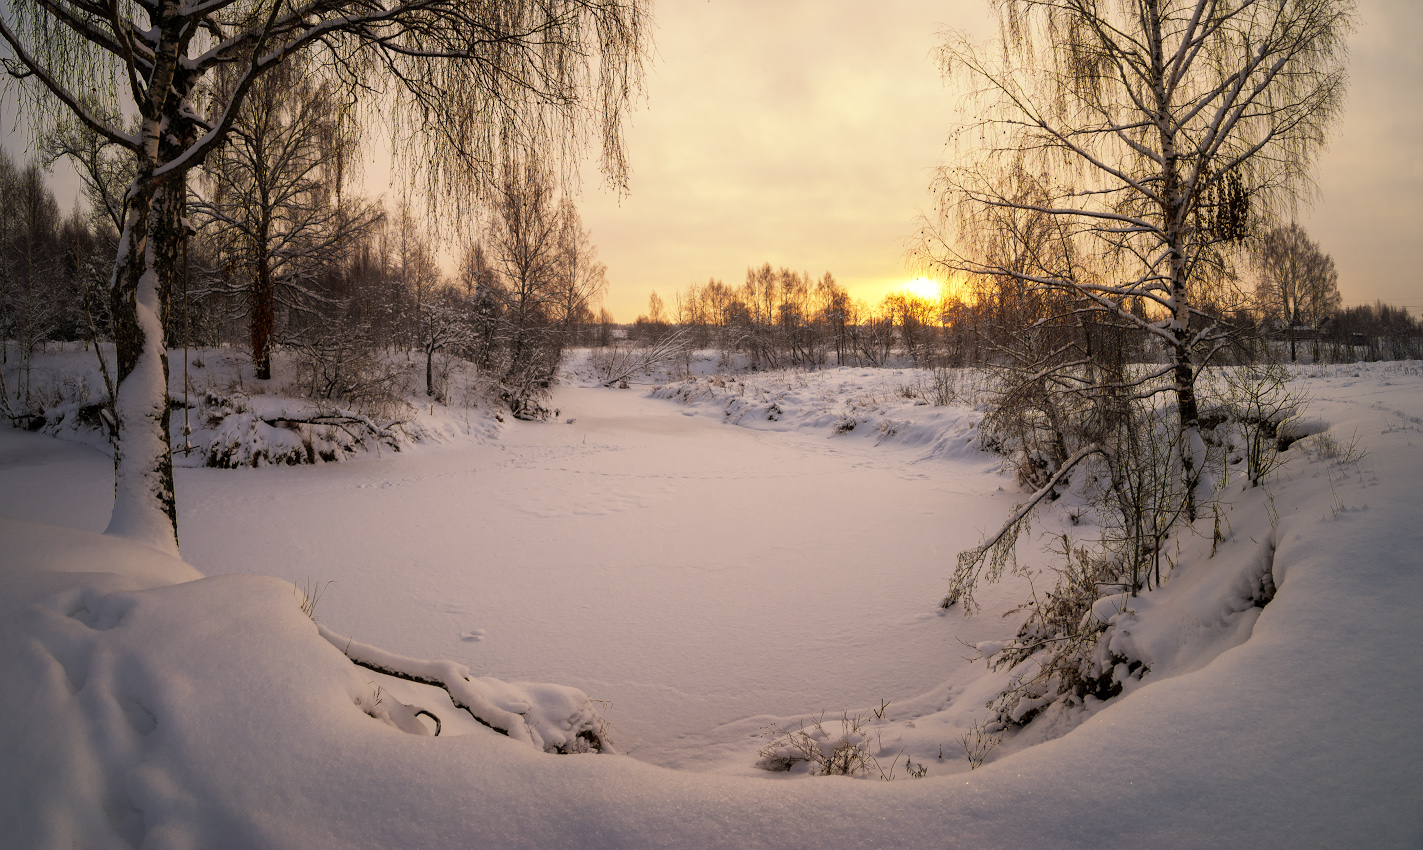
(163, 708)
(912, 408)
(229, 420)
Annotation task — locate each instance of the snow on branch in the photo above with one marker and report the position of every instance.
(997, 550)
(553, 718)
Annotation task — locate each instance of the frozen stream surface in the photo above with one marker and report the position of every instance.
(695, 574)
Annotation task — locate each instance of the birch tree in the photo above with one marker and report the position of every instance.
(582, 279)
(1156, 136)
(527, 260)
(468, 82)
(1298, 282)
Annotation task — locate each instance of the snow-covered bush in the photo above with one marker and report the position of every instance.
(942, 389)
(1257, 404)
(1123, 478)
(236, 431)
(1118, 454)
(345, 366)
(1058, 654)
(823, 752)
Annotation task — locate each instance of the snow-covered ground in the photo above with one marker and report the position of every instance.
(718, 562)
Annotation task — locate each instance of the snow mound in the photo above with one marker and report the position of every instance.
(931, 411)
(154, 697)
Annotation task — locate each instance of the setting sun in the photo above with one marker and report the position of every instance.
(923, 287)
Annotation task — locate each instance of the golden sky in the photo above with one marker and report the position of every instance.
(803, 134)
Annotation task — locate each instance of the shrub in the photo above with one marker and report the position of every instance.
(827, 754)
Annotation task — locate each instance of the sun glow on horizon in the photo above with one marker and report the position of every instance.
(923, 287)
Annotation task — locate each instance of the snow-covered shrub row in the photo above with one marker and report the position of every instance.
(235, 431)
(225, 419)
(898, 406)
(64, 395)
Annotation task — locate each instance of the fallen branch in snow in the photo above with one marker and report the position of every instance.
(431, 715)
(554, 718)
(996, 550)
(441, 674)
(616, 364)
(338, 419)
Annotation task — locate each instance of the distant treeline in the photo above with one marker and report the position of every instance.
(779, 317)
(341, 283)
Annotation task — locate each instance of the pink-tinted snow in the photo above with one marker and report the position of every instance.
(697, 574)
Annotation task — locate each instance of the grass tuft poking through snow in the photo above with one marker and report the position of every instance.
(310, 596)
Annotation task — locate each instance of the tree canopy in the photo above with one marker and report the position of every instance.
(1120, 152)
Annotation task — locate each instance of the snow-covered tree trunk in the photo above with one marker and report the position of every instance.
(1174, 223)
(144, 507)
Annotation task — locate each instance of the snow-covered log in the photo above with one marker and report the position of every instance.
(554, 718)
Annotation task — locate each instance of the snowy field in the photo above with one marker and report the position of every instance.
(711, 561)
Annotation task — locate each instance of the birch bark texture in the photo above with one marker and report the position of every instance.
(466, 82)
(1158, 137)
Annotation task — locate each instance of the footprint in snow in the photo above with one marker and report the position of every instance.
(473, 636)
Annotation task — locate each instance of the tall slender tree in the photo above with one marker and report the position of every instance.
(272, 198)
(582, 278)
(1155, 135)
(524, 249)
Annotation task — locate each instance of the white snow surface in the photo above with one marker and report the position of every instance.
(711, 569)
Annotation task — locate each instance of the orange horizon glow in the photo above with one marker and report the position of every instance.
(923, 287)
(932, 289)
